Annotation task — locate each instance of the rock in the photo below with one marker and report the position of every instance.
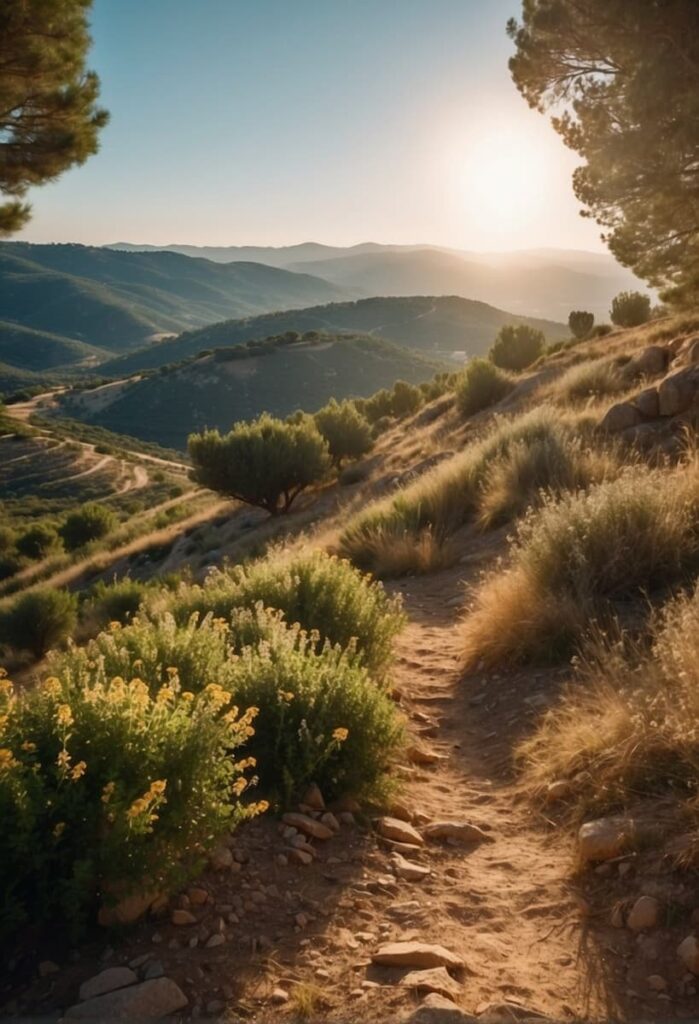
(604, 838)
(461, 831)
(688, 952)
(400, 811)
(436, 979)
(421, 755)
(648, 403)
(656, 982)
(47, 967)
(649, 362)
(399, 831)
(620, 417)
(438, 1010)
(309, 826)
(215, 940)
(507, 1012)
(408, 870)
(415, 954)
(154, 970)
(282, 860)
(346, 817)
(182, 917)
(221, 858)
(127, 910)
(690, 351)
(557, 790)
(676, 392)
(300, 856)
(279, 996)
(643, 914)
(150, 999)
(197, 897)
(313, 798)
(107, 981)
(331, 821)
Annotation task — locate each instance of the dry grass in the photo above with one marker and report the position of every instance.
(577, 555)
(392, 555)
(593, 379)
(305, 1000)
(629, 727)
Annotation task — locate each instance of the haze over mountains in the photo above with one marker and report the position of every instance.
(539, 282)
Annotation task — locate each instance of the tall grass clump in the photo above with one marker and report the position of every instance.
(107, 790)
(578, 555)
(481, 385)
(629, 725)
(317, 591)
(593, 379)
(38, 620)
(118, 601)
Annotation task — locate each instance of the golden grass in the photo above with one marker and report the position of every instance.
(592, 379)
(305, 1000)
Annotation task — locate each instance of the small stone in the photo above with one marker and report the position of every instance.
(182, 917)
(309, 826)
(408, 870)
(127, 910)
(158, 998)
(423, 756)
(216, 940)
(279, 996)
(401, 811)
(313, 798)
(155, 969)
(215, 1006)
(156, 938)
(557, 790)
(399, 831)
(604, 838)
(300, 856)
(461, 831)
(438, 1010)
(346, 818)
(221, 858)
(301, 920)
(197, 897)
(436, 979)
(415, 954)
(331, 821)
(688, 952)
(282, 860)
(322, 974)
(47, 967)
(656, 982)
(107, 981)
(617, 918)
(643, 914)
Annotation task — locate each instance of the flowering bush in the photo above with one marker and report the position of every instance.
(107, 787)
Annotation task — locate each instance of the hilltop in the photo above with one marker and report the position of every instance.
(439, 327)
(241, 381)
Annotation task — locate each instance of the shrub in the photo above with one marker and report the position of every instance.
(405, 399)
(266, 463)
(479, 386)
(581, 323)
(8, 538)
(379, 405)
(630, 309)
(347, 433)
(319, 592)
(39, 541)
(91, 522)
(591, 379)
(320, 718)
(38, 620)
(117, 601)
(577, 555)
(107, 790)
(517, 346)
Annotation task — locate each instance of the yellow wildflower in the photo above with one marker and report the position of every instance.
(58, 829)
(187, 695)
(107, 792)
(286, 696)
(340, 734)
(165, 693)
(52, 686)
(238, 786)
(64, 715)
(63, 759)
(114, 626)
(158, 787)
(7, 759)
(78, 771)
(29, 747)
(6, 687)
(172, 671)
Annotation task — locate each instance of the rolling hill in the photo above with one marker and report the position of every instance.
(118, 300)
(536, 282)
(438, 327)
(239, 382)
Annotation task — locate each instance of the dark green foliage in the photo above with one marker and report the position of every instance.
(630, 309)
(50, 119)
(480, 385)
(602, 330)
(406, 399)
(347, 432)
(114, 602)
(91, 522)
(517, 347)
(581, 323)
(39, 541)
(626, 75)
(266, 463)
(39, 620)
(378, 406)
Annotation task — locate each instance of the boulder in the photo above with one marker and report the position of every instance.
(127, 910)
(221, 858)
(649, 362)
(648, 403)
(604, 838)
(107, 981)
(676, 393)
(151, 999)
(408, 870)
(423, 756)
(182, 917)
(415, 954)
(438, 1010)
(399, 831)
(436, 979)
(309, 826)
(690, 352)
(461, 831)
(643, 914)
(313, 798)
(688, 952)
(620, 417)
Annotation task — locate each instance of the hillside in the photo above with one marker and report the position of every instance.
(240, 382)
(546, 283)
(118, 300)
(27, 349)
(441, 328)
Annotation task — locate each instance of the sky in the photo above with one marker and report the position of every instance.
(272, 122)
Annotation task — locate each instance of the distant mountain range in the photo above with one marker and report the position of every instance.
(239, 383)
(439, 327)
(539, 282)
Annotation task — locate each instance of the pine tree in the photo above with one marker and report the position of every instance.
(49, 118)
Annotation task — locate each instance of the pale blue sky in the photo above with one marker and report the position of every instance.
(280, 121)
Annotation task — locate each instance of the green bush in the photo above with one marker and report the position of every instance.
(107, 790)
(630, 309)
(267, 462)
(322, 593)
(346, 431)
(114, 602)
(38, 620)
(8, 538)
(380, 404)
(39, 541)
(581, 323)
(405, 399)
(602, 330)
(517, 347)
(91, 522)
(480, 385)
